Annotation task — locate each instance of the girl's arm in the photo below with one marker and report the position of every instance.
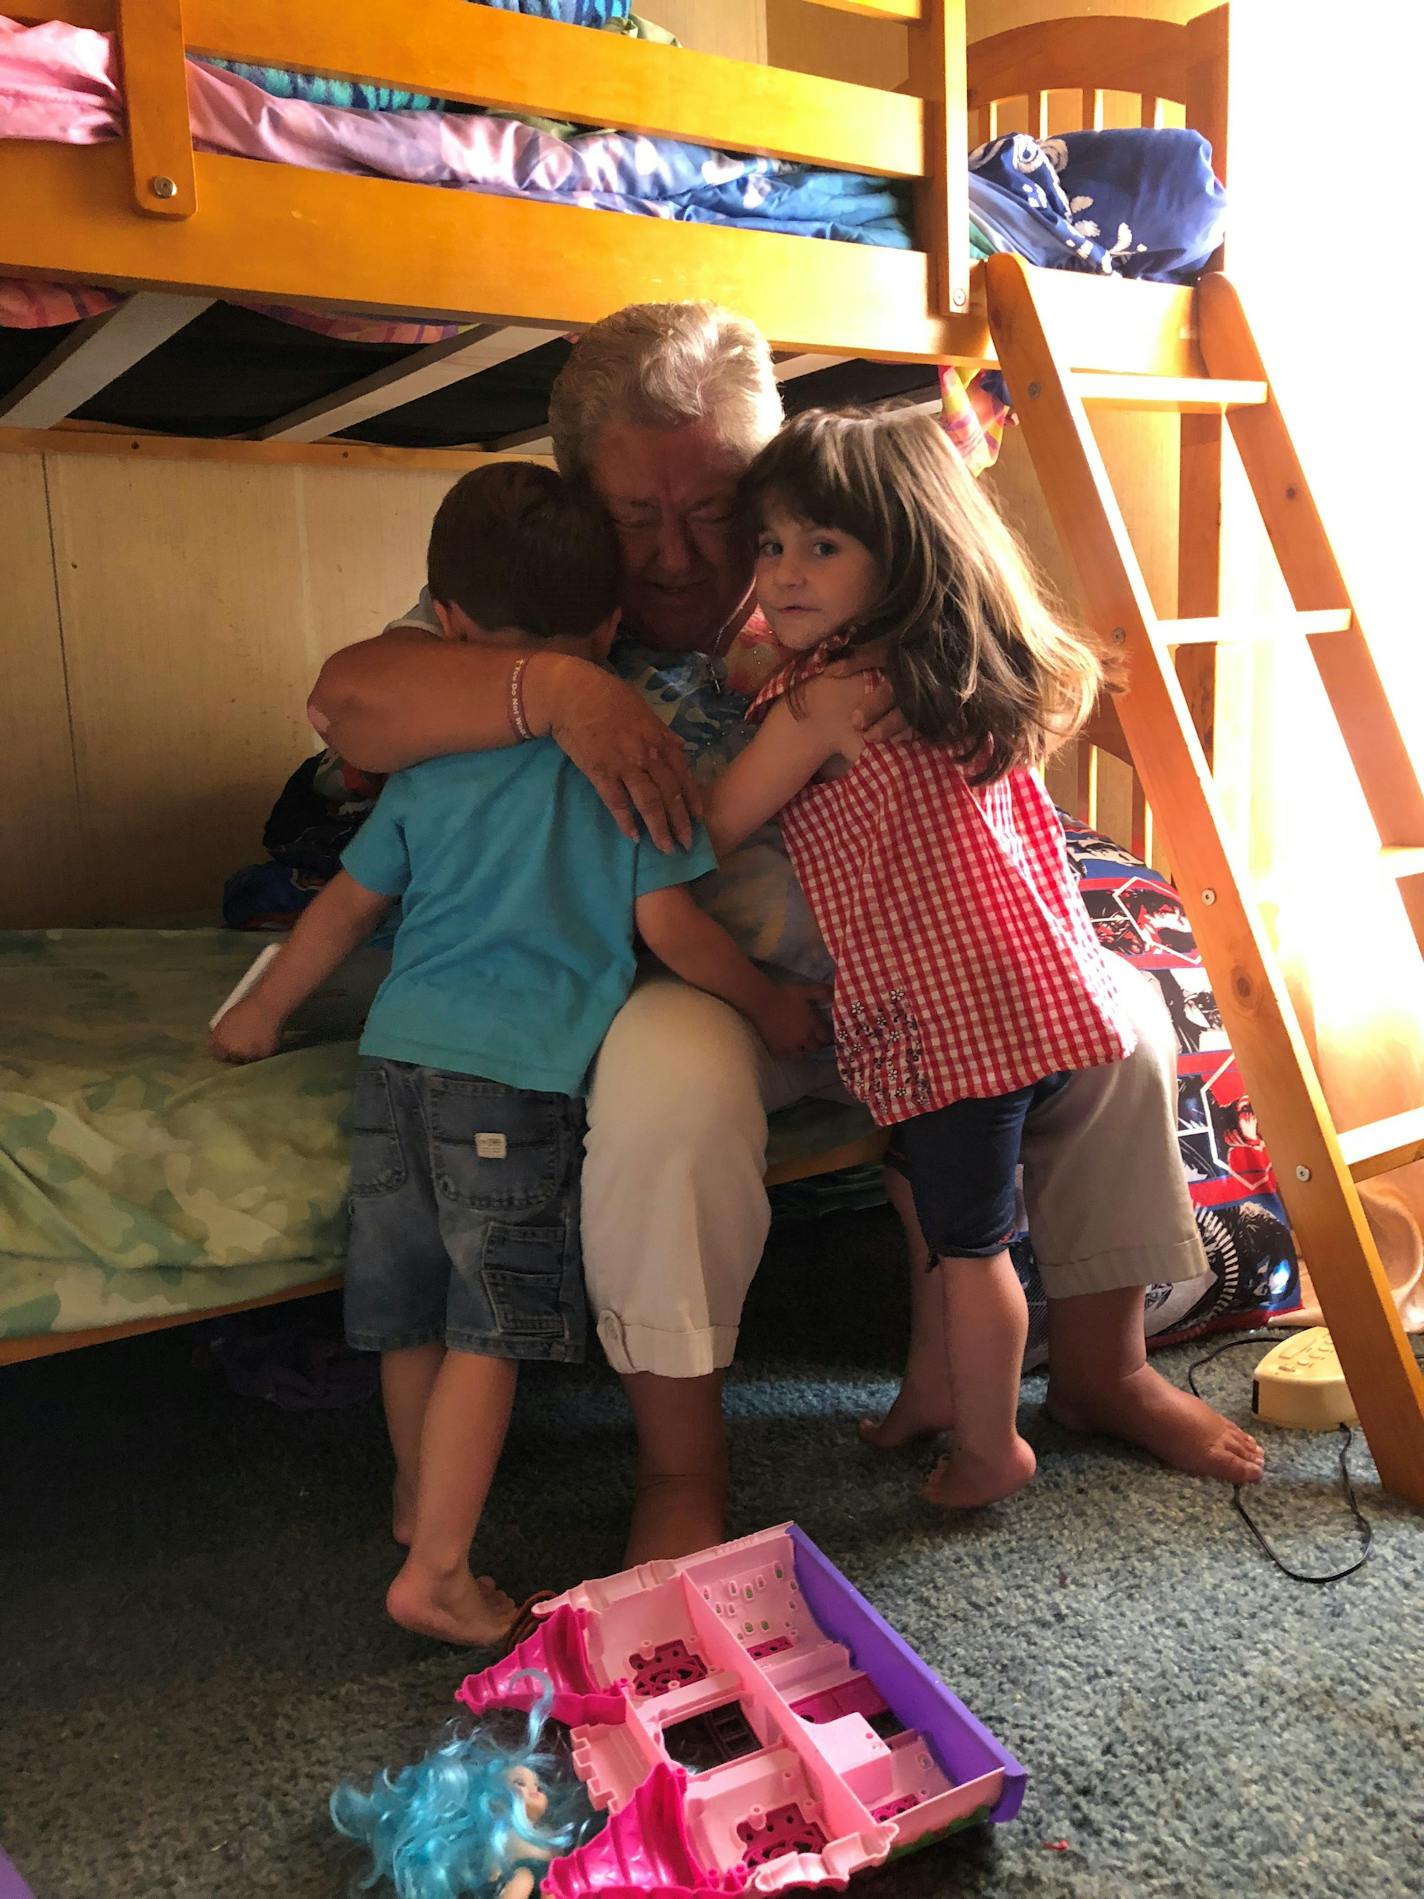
(403, 697)
(336, 921)
(786, 754)
(697, 948)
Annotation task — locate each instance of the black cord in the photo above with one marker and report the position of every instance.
(1296, 1575)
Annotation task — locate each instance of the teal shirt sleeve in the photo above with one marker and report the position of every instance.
(657, 870)
(377, 856)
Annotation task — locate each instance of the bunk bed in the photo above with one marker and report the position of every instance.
(474, 292)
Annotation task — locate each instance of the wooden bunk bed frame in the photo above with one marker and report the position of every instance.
(151, 215)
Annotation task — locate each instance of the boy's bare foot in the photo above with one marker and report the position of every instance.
(461, 1608)
(962, 1482)
(675, 1516)
(1173, 1425)
(910, 1420)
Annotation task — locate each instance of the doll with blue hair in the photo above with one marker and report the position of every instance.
(473, 1819)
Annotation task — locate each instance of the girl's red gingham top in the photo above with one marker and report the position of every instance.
(966, 964)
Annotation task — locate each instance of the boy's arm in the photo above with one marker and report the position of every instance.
(787, 752)
(336, 922)
(699, 950)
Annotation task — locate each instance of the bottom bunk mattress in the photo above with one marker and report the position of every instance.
(139, 1179)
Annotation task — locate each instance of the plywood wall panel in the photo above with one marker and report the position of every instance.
(734, 28)
(365, 537)
(810, 39)
(41, 843)
(1141, 453)
(183, 599)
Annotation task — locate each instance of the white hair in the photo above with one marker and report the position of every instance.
(665, 365)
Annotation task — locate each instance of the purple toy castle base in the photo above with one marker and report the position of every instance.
(832, 1744)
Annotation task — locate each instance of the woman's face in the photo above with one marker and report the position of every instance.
(687, 550)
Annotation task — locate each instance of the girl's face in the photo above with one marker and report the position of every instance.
(812, 581)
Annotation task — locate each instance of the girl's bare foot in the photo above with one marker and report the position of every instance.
(1174, 1425)
(460, 1608)
(912, 1418)
(962, 1482)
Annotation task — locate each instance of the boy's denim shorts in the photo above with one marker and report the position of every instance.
(464, 1216)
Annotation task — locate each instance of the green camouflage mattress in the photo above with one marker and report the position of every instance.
(140, 1179)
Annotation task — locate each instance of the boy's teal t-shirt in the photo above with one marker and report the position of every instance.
(515, 946)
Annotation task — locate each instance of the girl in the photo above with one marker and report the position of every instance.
(969, 983)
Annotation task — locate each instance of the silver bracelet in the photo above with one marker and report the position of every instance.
(517, 720)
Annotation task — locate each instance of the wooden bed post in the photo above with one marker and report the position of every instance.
(938, 60)
(1199, 500)
(155, 82)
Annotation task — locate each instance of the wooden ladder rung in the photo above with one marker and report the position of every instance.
(1381, 1146)
(1403, 860)
(1186, 395)
(1254, 629)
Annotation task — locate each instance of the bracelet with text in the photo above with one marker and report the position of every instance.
(518, 723)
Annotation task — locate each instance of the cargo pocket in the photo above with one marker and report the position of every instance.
(498, 1149)
(524, 1275)
(377, 1160)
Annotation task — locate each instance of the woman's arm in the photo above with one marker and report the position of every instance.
(336, 921)
(786, 754)
(404, 697)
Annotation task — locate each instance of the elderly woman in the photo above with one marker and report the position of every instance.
(660, 408)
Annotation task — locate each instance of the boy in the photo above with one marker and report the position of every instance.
(520, 897)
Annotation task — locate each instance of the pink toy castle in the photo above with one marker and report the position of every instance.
(750, 1724)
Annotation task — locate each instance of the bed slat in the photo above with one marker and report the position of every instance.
(92, 354)
(418, 374)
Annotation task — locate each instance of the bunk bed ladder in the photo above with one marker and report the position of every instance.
(1316, 1164)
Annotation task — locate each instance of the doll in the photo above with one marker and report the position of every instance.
(471, 1818)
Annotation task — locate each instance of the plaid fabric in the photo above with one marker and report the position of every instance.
(966, 964)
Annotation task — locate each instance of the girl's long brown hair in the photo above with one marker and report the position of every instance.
(977, 659)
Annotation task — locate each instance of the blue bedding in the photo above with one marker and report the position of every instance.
(1127, 203)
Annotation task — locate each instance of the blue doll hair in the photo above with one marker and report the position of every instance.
(451, 1824)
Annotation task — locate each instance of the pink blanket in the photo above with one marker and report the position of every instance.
(58, 84)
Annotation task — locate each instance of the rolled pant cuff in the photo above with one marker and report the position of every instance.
(644, 1348)
(1165, 1264)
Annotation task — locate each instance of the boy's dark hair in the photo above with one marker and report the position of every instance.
(515, 545)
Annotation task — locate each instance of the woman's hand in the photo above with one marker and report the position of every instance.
(879, 719)
(606, 728)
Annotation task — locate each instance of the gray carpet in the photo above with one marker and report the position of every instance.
(192, 1650)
